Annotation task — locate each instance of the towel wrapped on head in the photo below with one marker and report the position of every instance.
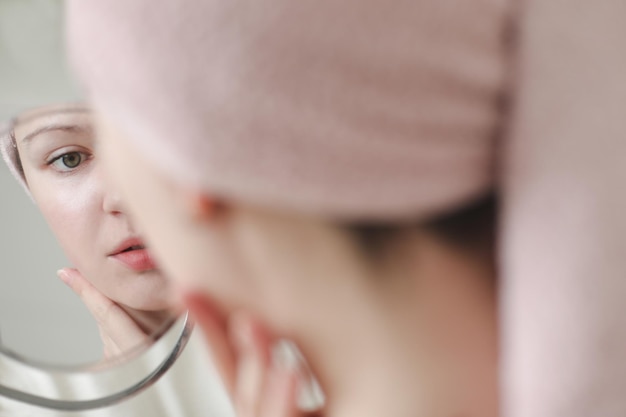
(349, 110)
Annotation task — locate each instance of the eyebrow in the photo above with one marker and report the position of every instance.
(63, 127)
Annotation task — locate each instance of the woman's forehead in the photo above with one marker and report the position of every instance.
(61, 116)
(51, 111)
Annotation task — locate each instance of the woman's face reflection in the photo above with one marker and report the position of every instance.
(63, 174)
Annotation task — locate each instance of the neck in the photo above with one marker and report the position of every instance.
(418, 337)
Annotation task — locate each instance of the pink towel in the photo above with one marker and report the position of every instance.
(564, 232)
(11, 157)
(366, 109)
(347, 109)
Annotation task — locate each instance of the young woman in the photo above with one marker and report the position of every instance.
(51, 151)
(320, 170)
(316, 181)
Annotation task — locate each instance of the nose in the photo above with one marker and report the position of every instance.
(112, 203)
(111, 200)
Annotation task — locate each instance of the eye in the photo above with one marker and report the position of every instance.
(68, 161)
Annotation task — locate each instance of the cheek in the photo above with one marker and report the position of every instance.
(72, 214)
(187, 253)
(117, 166)
(149, 200)
(155, 211)
(127, 172)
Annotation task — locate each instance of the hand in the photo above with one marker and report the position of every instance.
(121, 328)
(242, 350)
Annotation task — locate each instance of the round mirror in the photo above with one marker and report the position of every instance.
(103, 321)
(114, 298)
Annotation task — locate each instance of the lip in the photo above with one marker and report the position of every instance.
(125, 244)
(138, 260)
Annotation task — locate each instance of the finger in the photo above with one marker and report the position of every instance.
(214, 329)
(253, 346)
(109, 347)
(111, 318)
(280, 396)
(282, 391)
(310, 396)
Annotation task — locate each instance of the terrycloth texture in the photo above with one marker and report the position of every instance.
(371, 109)
(353, 109)
(11, 158)
(564, 298)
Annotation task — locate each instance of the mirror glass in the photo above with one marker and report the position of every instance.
(57, 212)
(115, 297)
(40, 318)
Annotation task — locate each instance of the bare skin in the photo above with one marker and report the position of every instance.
(121, 328)
(63, 174)
(414, 336)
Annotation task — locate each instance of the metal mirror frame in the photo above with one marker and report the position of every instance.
(146, 363)
(112, 381)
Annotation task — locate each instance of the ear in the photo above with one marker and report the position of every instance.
(201, 206)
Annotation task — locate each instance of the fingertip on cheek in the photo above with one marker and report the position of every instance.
(68, 276)
(64, 276)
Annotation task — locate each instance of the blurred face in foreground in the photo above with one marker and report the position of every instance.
(412, 332)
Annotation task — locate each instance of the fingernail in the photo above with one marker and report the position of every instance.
(288, 359)
(64, 276)
(284, 356)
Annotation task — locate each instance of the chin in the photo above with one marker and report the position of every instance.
(145, 301)
(147, 293)
(144, 291)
